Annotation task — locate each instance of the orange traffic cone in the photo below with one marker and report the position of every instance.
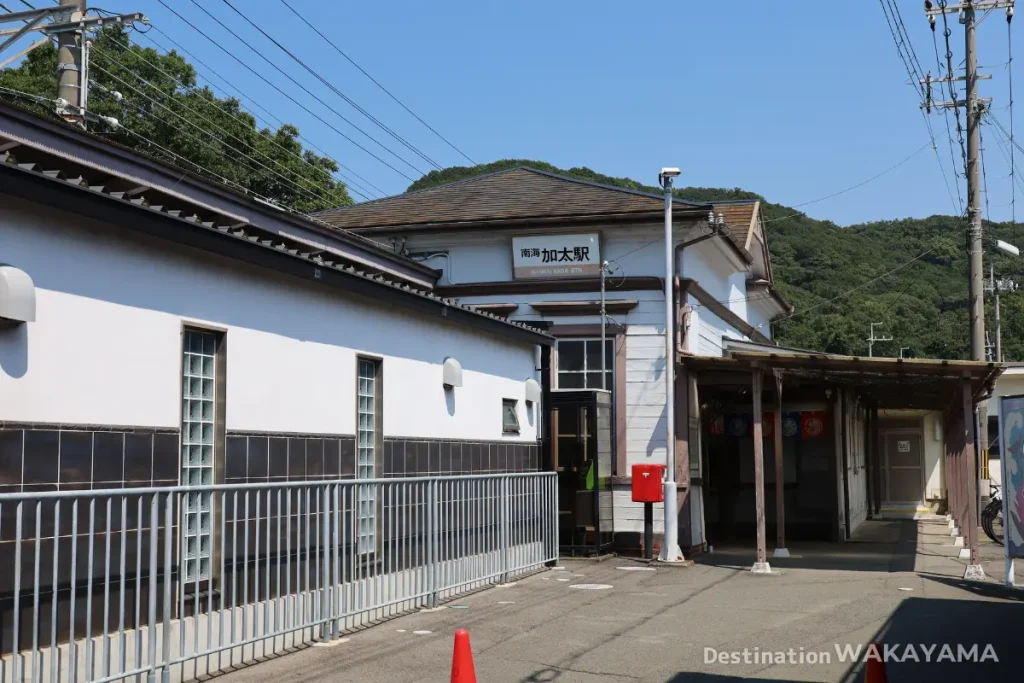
(462, 659)
(874, 672)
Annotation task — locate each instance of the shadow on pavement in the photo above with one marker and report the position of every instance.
(717, 678)
(877, 546)
(982, 590)
(973, 630)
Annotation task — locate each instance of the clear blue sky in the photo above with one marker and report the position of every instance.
(793, 100)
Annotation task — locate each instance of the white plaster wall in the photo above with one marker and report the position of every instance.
(706, 330)
(705, 263)
(759, 314)
(934, 452)
(106, 346)
(636, 249)
(1010, 383)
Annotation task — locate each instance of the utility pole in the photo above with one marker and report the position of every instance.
(974, 188)
(872, 339)
(69, 23)
(999, 331)
(975, 107)
(70, 46)
(996, 287)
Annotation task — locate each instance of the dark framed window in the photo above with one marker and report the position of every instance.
(579, 364)
(509, 416)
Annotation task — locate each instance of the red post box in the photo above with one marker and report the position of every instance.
(647, 487)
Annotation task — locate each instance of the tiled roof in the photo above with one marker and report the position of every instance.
(739, 216)
(514, 194)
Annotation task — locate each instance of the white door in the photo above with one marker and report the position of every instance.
(903, 463)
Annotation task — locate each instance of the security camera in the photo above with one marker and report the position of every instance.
(669, 172)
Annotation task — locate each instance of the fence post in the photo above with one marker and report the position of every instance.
(326, 631)
(555, 520)
(165, 672)
(432, 543)
(506, 502)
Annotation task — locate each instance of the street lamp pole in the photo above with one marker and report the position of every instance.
(670, 551)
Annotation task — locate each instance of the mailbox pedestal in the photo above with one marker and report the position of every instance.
(647, 489)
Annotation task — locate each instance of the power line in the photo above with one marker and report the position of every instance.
(291, 183)
(174, 155)
(255, 103)
(984, 173)
(813, 201)
(1009, 69)
(309, 92)
(949, 132)
(1005, 149)
(852, 187)
(946, 33)
(333, 88)
(905, 37)
(907, 54)
(854, 289)
(284, 94)
(376, 82)
(107, 55)
(901, 50)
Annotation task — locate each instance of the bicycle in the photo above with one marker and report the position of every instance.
(992, 516)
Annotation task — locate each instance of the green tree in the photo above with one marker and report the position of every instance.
(165, 114)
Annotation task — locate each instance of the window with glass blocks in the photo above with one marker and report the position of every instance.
(198, 413)
(366, 456)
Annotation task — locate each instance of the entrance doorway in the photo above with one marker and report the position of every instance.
(903, 482)
(582, 455)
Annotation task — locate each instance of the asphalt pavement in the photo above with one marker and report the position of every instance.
(619, 621)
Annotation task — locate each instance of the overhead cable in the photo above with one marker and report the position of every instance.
(269, 138)
(412, 148)
(255, 103)
(286, 95)
(376, 82)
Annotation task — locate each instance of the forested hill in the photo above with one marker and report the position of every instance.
(923, 303)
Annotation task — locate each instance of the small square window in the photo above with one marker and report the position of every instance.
(509, 418)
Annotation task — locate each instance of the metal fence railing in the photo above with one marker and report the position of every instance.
(171, 584)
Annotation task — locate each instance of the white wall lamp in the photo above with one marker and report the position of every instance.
(17, 296)
(533, 391)
(451, 373)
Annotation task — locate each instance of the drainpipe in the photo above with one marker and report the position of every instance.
(678, 293)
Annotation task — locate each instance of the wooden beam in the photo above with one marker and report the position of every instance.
(761, 566)
(876, 457)
(971, 481)
(780, 484)
(952, 429)
(583, 307)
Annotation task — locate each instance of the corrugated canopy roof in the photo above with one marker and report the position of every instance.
(890, 382)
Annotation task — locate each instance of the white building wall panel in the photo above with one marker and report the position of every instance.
(106, 345)
(706, 330)
(934, 455)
